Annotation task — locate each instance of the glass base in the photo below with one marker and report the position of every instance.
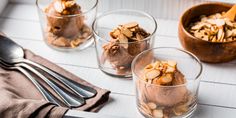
(82, 46)
(113, 73)
(188, 114)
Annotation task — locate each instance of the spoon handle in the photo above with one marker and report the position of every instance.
(69, 100)
(46, 94)
(79, 89)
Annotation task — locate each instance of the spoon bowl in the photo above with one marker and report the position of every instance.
(10, 51)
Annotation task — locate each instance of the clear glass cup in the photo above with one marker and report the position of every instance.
(178, 101)
(119, 64)
(67, 32)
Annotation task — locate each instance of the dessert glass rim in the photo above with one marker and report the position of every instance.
(73, 15)
(195, 6)
(131, 10)
(197, 77)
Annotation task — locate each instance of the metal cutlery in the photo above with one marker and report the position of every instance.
(12, 53)
(46, 94)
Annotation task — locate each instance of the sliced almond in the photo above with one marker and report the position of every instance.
(138, 37)
(116, 33)
(166, 79)
(131, 25)
(181, 109)
(58, 6)
(152, 74)
(220, 35)
(149, 66)
(152, 105)
(172, 63)
(156, 64)
(170, 69)
(126, 32)
(220, 22)
(157, 113)
(123, 40)
(145, 109)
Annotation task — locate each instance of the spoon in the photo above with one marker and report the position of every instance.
(230, 14)
(12, 53)
(68, 99)
(46, 94)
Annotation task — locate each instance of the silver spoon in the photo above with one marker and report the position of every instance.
(68, 99)
(46, 94)
(12, 53)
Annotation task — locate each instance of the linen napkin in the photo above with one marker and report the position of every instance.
(19, 98)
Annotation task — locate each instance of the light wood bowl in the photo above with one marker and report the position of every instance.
(206, 51)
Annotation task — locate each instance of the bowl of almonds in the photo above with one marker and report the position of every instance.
(165, 85)
(205, 31)
(120, 35)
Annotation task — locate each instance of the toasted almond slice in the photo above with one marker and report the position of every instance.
(116, 32)
(131, 25)
(69, 3)
(58, 6)
(181, 109)
(126, 32)
(157, 113)
(156, 64)
(219, 34)
(138, 37)
(220, 22)
(152, 74)
(152, 105)
(170, 69)
(123, 40)
(165, 79)
(172, 63)
(145, 109)
(149, 66)
(156, 81)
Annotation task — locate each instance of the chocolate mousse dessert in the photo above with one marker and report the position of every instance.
(127, 41)
(162, 93)
(65, 24)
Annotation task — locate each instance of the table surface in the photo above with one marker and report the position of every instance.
(217, 89)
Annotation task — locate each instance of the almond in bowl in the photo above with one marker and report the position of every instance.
(205, 32)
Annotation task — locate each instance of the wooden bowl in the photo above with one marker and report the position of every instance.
(206, 51)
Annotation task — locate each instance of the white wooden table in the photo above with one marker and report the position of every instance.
(217, 95)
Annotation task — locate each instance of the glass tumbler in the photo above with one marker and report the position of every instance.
(177, 101)
(67, 28)
(117, 61)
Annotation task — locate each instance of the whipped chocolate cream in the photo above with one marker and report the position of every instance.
(126, 42)
(65, 24)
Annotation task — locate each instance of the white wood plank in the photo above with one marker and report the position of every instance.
(85, 57)
(21, 28)
(209, 93)
(211, 72)
(167, 9)
(20, 11)
(3, 5)
(213, 89)
(125, 106)
(32, 30)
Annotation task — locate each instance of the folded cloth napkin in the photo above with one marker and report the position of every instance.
(20, 98)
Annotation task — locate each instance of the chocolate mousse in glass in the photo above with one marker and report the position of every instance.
(120, 40)
(167, 82)
(67, 24)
